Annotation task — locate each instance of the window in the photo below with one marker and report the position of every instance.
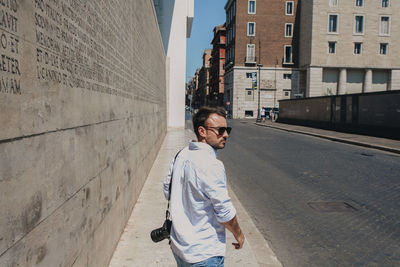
(359, 24)
(251, 28)
(288, 30)
(289, 8)
(385, 3)
(249, 95)
(333, 2)
(383, 49)
(332, 47)
(288, 54)
(250, 54)
(359, 2)
(385, 25)
(287, 93)
(252, 7)
(287, 76)
(248, 113)
(357, 48)
(333, 23)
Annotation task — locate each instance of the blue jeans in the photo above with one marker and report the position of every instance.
(217, 261)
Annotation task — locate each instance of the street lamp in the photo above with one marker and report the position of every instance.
(259, 89)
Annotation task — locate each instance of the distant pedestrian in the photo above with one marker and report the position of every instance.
(262, 112)
(271, 114)
(200, 205)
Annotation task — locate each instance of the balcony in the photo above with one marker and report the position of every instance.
(251, 60)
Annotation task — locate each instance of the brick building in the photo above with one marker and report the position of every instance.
(260, 32)
(217, 62)
(203, 89)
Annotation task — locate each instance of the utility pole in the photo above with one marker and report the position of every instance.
(259, 65)
(276, 88)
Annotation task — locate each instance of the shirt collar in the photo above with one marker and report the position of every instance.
(193, 145)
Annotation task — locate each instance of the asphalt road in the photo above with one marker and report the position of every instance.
(318, 202)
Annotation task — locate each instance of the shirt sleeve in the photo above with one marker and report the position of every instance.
(213, 183)
(167, 181)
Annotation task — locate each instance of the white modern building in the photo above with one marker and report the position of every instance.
(175, 18)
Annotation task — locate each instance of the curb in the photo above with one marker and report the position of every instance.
(336, 139)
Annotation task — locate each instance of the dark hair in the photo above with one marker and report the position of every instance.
(199, 119)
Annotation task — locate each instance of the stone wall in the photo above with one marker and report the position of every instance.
(375, 113)
(83, 114)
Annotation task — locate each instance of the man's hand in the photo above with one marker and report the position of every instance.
(240, 240)
(234, 227)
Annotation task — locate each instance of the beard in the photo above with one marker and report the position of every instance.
(219, 145)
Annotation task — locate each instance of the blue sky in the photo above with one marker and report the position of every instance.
(207, 15)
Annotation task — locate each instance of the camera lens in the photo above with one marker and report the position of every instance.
(159, 234)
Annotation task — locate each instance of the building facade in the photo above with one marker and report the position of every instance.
(203, 90)
(175, 18)
(83, 115)
(196, 94)
(191, 90)
(261, 53)
(217, 69)
(349, 46)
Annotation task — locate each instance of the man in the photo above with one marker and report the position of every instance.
(262, 112)
(200, 206)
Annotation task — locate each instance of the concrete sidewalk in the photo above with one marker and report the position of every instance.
(135, 247)
(354, 139)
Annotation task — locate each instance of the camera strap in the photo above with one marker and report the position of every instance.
(167, 213)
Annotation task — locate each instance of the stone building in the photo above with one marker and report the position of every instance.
(349, 46)
(217, 69)
(194, 83)
(191, 89)
(261, 41)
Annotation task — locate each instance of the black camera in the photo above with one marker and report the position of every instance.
(161, 233)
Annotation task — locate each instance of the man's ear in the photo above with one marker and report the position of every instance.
(202, 131)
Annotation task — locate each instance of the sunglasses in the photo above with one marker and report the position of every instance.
(221, 130)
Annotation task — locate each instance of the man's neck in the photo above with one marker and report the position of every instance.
(202, 140)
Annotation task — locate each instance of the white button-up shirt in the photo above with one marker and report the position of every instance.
(199, 203)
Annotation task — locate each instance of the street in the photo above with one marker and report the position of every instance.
(317, 202)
